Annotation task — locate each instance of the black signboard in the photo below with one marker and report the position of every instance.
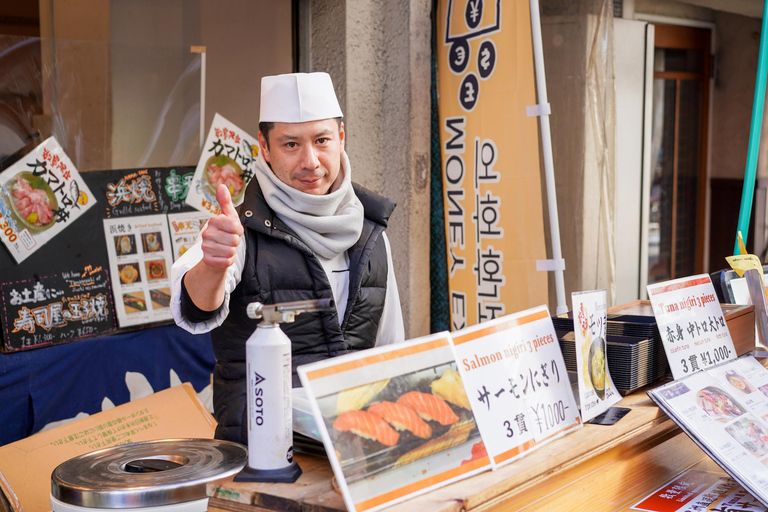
(62, 292)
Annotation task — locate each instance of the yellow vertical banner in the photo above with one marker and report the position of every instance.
(490, 159)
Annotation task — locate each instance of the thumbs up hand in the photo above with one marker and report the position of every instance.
(222, 236)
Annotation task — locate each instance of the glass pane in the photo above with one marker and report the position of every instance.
(662, 158)
(688, 160)
(673, 216)
(110, 106)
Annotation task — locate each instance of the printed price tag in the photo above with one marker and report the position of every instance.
(691, 324)
(516, 382)
(596, 390)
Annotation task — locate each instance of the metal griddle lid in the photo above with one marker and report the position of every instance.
(146, 474)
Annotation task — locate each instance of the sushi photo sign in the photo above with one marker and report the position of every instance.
(40, 195)
(228, 157)
(395, 421)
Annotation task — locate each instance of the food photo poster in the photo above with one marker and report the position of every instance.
(228, 158)
(140, 262)
(185, 228)
(41, 195)
(597, 393)
(396, 421)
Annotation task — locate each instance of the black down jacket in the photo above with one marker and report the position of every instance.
(279, 267)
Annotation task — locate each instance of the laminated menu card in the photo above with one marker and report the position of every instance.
(699, 491)
(724, 410)
(597, 393)
(228, 158)
(395, 420)
(40, 196)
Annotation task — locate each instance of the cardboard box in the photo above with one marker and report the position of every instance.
(26, 465)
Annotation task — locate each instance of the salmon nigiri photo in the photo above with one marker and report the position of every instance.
(402, 418)
(429, 407)
(368, 426)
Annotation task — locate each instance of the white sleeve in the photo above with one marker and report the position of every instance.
(391, 328)
(188, 260)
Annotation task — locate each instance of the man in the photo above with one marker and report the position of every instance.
(304, 231)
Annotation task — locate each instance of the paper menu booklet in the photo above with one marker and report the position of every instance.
(396, 421)
(140, 264)
(40, 195)
(724, 410)
(228, 157)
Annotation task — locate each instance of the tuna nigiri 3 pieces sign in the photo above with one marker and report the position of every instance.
(40, 196)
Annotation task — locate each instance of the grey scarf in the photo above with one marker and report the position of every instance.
(328, 224)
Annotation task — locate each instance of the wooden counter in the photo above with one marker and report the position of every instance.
(597, 468)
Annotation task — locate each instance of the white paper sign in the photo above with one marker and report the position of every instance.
(228, 158)
(40, 195)
(140, 264)
(395, 421)
(185, 227)
(517, 383)
(691, 323)
(596, 390)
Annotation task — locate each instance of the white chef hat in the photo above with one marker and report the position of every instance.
(297, 98)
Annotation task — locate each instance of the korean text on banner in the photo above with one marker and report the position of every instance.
(490, 159)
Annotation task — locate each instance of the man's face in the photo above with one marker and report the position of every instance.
(305, 156)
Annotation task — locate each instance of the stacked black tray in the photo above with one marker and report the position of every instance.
(635, 352)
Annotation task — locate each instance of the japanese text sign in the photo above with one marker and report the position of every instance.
(140, 262)
(516, 382)
(699, 491)
(596, 390)
(395, 421)
(691, 323)
(185, 227)
(56, 309)
(40, 196)
(228, 158)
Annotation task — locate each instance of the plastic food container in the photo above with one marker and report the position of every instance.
(303, 419)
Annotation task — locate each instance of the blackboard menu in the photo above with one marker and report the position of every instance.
(63, 291)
